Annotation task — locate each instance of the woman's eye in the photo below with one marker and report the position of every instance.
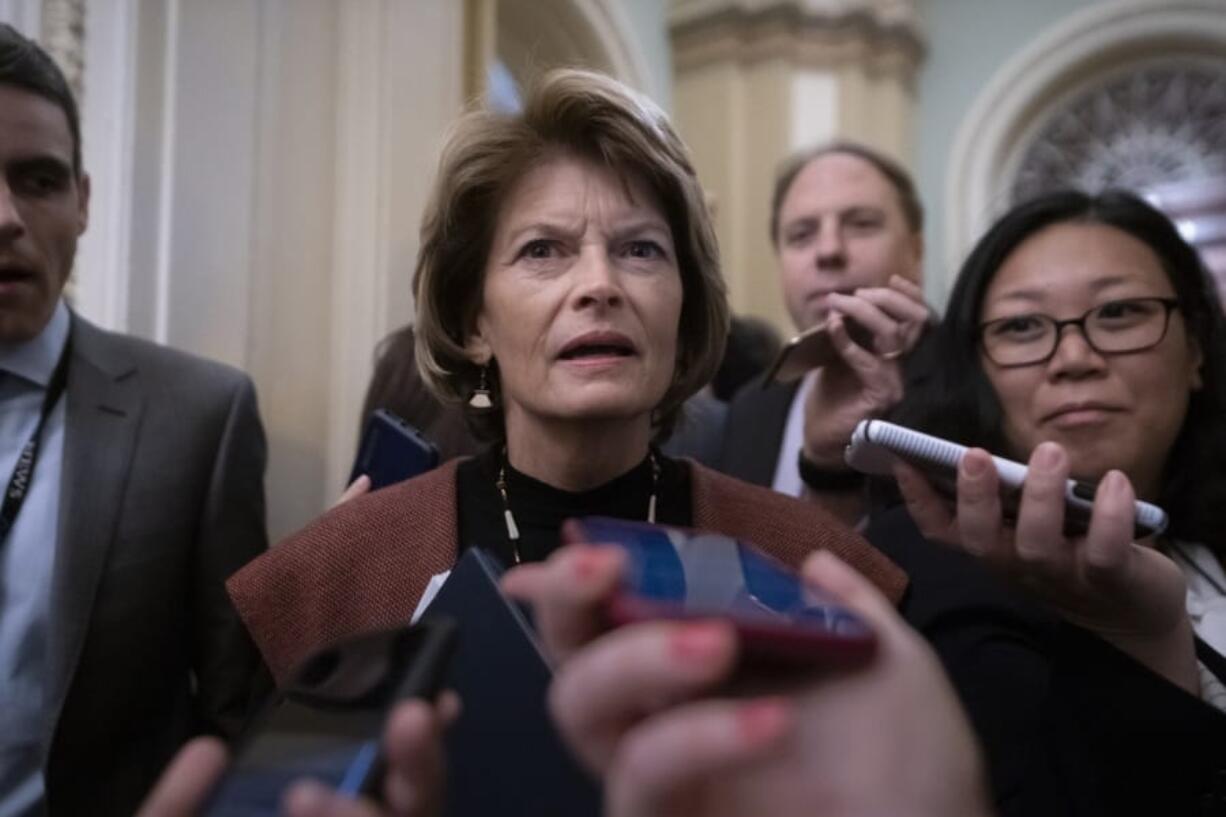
(644, 249)
(1020, 326)
(1123, 310)
(538, 248)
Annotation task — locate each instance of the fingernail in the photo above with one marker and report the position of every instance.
(974, 467)
(1049, 456)
(1114, 482)
(699, 641)
(763, 721)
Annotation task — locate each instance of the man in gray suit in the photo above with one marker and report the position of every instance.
(133, 487)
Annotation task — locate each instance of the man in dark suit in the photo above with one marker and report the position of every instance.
(847, 229)
(133, 489)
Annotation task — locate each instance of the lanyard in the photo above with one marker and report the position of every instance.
(23, 471)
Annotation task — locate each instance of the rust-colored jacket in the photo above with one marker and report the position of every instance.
(363, 565)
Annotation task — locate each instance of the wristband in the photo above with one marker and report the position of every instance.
(824, 479)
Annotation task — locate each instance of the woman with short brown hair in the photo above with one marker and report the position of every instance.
(569, 295)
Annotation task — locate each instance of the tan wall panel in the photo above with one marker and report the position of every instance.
(768, 141)
(736, 123)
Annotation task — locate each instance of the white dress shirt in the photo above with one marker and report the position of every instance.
(787, 475)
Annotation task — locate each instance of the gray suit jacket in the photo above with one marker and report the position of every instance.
(161, 500)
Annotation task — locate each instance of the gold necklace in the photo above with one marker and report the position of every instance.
(509, 518)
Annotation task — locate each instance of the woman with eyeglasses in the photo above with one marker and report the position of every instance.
(1085, 338)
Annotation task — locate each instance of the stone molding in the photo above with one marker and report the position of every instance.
(882, 38)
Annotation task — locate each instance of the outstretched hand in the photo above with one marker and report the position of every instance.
(412, 787)
(1128, 593)
(648, 707)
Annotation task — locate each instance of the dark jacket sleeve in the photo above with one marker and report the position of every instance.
(230, 675)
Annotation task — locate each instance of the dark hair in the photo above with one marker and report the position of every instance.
(24, 64)
(894, 173)
(954, 399)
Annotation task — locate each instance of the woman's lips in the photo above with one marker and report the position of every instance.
(597, 345)
(1076, 415)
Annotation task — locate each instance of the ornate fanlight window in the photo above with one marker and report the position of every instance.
(1157, 123)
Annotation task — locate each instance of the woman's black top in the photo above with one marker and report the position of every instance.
(539, 509)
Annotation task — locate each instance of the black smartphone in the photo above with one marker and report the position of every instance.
(683, 574)
(812, 349)
(327, 725)
(391, 451)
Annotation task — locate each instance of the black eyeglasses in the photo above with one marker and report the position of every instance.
(1126, 325)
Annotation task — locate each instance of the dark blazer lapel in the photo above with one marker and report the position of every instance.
(101, 420)
(754, 431)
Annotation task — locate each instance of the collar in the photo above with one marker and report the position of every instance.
(35, 359)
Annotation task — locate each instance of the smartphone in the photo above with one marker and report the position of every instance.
(391, 451)
(876, 444)
(327, 725)
(812, 349)
(682, 574)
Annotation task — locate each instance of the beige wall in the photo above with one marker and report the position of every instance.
(754, 82)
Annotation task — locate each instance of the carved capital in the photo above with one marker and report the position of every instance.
(881, 36)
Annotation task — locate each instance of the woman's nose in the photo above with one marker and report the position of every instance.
(597, 280)
(1074, 353)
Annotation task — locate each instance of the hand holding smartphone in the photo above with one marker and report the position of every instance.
(681, 574)
(391, 451)
(328, 724)
(876, 445)
(813, 349)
